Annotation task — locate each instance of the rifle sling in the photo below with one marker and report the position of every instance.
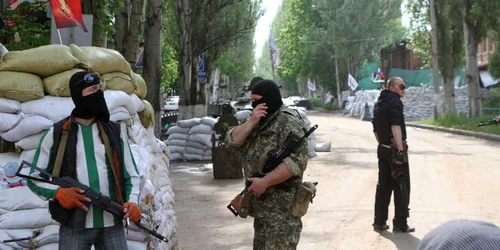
(109, 153)
(60, 151)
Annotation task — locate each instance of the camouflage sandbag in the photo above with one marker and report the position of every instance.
(43, 61)
(118, 81)
(147, 116)
(58, 85)
(20, 86)
(140, 85)
(101, 60)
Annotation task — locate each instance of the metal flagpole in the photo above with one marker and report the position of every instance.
(59, 33)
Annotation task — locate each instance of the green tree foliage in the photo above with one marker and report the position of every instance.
(29, 27)
(313, 32)
(263, 65)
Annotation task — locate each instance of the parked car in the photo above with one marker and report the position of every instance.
(171, 104)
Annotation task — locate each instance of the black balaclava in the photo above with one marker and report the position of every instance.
(93, 105)
(270, 93)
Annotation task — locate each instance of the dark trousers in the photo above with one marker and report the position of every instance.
(108, 238)
(386, 184)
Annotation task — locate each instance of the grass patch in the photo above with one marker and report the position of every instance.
(465, 123)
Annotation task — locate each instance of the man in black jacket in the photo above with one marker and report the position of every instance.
(390, 131)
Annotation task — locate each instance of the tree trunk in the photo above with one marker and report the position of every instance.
(122, 22)
(449, 107)
(435, 64)
(470, 39)
(192, 96)
(152, 58)
(132, 38)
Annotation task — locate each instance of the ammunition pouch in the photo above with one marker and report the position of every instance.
(74, 217)
(304, 195)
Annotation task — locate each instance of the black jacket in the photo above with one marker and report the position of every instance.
(388, 111)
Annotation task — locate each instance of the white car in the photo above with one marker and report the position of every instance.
(172, 103)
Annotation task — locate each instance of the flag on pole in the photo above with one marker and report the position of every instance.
(353, 84)
(67, 13)
(14, 3)
(273, 50)
(311, 85)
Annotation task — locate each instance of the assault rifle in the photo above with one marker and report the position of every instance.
(97, 199)
(272, 162)
(490, 122)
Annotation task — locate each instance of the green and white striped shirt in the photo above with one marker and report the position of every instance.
(92, 170)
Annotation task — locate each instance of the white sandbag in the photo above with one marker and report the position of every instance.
(51, 246)
(176, 157)
(133, 235)
(323, 147)
(310, 148)
(119, 114)
(179, 136)
(20, 198)
(138, 105)
(189, 123)
(135, 245)
(181, 143)
(196, 151)
(30, 142)
(210, 121)
(27, 155)
(164, 181)
(29, 125)
(178, 130)
(200, 129)
(176, 149)
(242, 115)
(117, 98)
(193, 157)
(207, 157)
(197, 145)
(205, 139)
(9, 106)
(26, 219)
(208, 152)
(147, 189)
(49, 235)
(51, 107)
(9, 121)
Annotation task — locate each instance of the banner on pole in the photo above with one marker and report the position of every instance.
(311, 85)
(67, 13)
(273, 50)
(353, 84)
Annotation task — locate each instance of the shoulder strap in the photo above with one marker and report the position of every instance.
(107, 147)
(62, 147)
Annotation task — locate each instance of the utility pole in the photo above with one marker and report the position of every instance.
(435, 66)
(339, 95)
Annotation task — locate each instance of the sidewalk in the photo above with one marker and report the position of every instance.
(486, 136)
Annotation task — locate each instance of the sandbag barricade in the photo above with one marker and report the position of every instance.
(36, 95)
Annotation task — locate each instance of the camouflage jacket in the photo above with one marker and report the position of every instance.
(265, 137)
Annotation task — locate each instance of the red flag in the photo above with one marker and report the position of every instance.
(67, 13)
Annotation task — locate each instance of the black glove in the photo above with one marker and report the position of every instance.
(397, 158)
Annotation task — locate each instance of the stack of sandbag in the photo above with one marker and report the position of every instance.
(191, 140)
(34, 94)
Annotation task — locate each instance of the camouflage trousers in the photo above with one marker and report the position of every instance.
(276, 233)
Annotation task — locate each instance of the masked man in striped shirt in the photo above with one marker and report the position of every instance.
(94, 152)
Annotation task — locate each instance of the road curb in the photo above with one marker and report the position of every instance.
(457, 131)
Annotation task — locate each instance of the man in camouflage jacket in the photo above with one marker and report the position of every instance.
(268, 128)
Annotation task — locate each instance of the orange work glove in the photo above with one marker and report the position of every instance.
(70, 198)
(132, 211)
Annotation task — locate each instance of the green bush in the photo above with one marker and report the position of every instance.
(330, 106)
(316, 102)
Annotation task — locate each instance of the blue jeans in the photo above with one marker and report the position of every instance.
(108, 238)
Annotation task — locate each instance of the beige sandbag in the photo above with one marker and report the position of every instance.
(101, 60)
(147, 116)
(58, 85)
(43, 61)
(140, 85)
(20, 86)
(118, 81)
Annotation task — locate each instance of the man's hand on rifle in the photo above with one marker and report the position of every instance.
(70, 198)
(258, 187)
(132, 211)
